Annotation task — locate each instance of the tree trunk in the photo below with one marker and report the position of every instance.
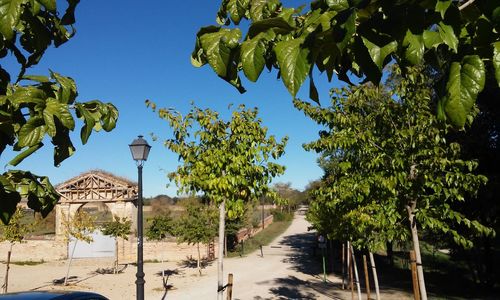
(375, 277)
(416, 247)
(220, 270)
(6, 280)
(199, 258)
(356, 276)
(116, 255)
(390, 253)
(70, 259)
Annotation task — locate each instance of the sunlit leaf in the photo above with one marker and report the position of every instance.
(293, 62)
(466, 80)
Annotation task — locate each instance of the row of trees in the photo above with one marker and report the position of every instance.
(391, 162)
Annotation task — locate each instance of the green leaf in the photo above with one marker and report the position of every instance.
(378, 54)
(465, 82)
(432, 39)
(37, 78)
(20, 157)
(110, 117)
(67, 90)
(10, 12)
(442, 6)
(496, 60)
(59, 110)
(278, 25)
(293, 63)
(217, 48)
(415, 47)
(49, 4)
(32, 132)
(448, 36)
(10, 198)
(337, 5)
(89, 122)
(252, 57)
(237, 9)
(257, 9)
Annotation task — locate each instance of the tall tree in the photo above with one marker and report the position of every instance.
(354, 37)
(388, 163)
(14, 232)
(197, 225)
(227, 161)
(118, 228)
(34, 108)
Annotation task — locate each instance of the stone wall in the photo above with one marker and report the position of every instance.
(246, 233)
(52, 249)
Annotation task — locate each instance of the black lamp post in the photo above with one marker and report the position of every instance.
(140, 151)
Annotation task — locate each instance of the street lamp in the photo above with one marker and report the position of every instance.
(140, 151)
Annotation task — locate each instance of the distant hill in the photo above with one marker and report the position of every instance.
(160, 200)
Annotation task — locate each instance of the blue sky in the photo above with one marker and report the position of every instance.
(125, 52)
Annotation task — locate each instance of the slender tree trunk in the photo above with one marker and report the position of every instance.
(416, 247)
(375, 277)
(367, 278)
(220, 269)
(70, 259)
(6, 280)
(199, 258)
(356, 276)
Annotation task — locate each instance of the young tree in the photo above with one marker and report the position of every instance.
(78, 228)
(33, 107)
(14, 232)
(388, 163)
(159, 227)
(118, 228)
(197, 225)
(227, 161)
(456, 38)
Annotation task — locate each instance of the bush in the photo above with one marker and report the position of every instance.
(280, 216)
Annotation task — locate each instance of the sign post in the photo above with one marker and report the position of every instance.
(322, 246)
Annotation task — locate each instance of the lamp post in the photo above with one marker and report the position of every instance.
(140, 151)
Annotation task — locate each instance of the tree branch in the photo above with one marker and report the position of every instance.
(463, 6)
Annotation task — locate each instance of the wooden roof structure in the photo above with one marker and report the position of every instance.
(96, 186)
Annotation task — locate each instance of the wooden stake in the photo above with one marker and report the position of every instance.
(229, 286)
(349, 268)
(375, 277)
(414, 276)
(6, 279)
(356, 276)
(343, 266)
(367, 278)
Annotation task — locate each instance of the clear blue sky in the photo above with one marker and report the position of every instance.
(127, 51)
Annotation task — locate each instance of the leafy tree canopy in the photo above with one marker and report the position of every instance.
(33, 107)
(197, 225)
(118, 228)
(160, 226)
(224, 160)
(384, 151)
(459, 39)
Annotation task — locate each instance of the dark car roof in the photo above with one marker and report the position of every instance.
(53, 295)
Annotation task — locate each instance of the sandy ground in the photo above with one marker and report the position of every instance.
(287, 270)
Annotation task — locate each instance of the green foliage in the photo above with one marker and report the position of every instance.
(383, 149)
(118, 228)
(359, 38)
(159, 227)
(197, 225)
(224, 160)
(16, 230)
(281, 216)
(80, 226)
(34, 108)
